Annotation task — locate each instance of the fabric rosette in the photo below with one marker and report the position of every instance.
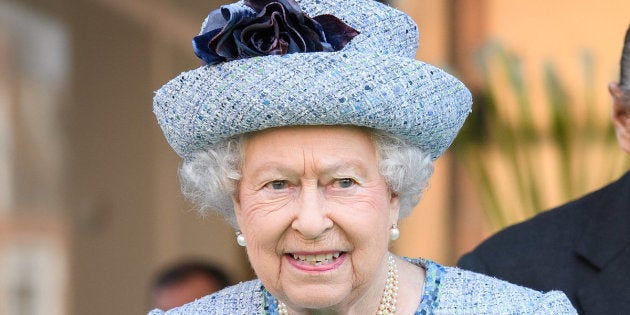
(266, 27)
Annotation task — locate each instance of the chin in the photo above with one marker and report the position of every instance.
(320, 298)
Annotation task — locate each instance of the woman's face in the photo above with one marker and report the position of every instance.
(316, 212)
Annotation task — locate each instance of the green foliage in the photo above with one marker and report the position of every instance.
(517, 137)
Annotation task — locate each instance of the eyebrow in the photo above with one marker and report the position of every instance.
(353, 165)
(272, 168)
(280, 169)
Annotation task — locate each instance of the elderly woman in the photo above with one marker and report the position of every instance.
(314, 132)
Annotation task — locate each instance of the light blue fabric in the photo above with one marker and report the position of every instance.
(374, 81)
(447, 290)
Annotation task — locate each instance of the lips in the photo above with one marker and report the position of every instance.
(318, 259)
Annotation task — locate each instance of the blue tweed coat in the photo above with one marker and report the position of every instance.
(448, 290)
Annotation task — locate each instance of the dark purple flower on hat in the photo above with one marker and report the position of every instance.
(267, 27)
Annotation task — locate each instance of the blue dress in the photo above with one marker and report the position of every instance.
(447, 290)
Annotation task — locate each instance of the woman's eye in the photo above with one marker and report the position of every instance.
(345, 182)
(277, 184)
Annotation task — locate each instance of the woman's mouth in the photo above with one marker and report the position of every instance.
(318, 259)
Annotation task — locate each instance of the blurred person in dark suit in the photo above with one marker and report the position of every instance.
(582, 247)
(185, 282)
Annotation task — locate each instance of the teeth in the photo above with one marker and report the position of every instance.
(317, 259)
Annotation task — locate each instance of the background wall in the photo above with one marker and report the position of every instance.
(89, 198)
(581, 42)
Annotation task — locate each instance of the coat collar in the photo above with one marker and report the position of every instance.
(608, 230)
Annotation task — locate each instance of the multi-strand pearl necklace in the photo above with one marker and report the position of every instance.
(390, 293)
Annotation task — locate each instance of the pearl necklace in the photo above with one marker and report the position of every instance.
(390, 293)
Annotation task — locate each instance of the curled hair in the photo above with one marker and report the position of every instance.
(210, 178)
(406, 169)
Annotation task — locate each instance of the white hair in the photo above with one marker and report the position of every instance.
(210, 178)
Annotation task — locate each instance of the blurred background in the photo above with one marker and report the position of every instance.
(90, 206)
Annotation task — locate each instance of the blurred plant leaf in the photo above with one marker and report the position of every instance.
(506, 127)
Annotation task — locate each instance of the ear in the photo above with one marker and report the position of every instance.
(237, 209)
(620, 116)
(394, 207)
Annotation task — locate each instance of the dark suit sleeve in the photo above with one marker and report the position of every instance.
(472, 262)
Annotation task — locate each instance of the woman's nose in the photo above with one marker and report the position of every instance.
(312, 218)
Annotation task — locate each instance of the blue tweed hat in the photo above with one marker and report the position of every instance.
(372, 80)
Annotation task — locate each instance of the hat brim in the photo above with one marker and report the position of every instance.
(411, 99)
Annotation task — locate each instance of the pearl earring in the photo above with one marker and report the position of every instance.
(394, 233)
(240, 239)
